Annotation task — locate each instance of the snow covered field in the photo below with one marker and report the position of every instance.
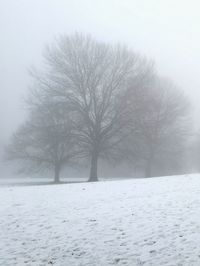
(153, 221)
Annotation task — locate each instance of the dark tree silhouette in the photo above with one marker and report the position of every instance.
(90, 78)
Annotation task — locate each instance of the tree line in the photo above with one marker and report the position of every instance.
(93, 100)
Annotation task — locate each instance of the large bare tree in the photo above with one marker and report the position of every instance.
(160, 123)
(90, 79)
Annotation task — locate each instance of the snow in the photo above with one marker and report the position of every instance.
(153, 221)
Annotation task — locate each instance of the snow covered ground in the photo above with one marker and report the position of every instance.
(153, 221)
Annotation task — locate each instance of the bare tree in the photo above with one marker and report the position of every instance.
(45, 141)
(90, 77)
(160, 123)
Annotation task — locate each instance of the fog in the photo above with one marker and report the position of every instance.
(94, 91)
(166, 31)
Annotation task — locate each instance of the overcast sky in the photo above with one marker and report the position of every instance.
(167, 31)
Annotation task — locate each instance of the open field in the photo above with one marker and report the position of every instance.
(151, 221)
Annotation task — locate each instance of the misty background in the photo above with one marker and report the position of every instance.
(166, 31)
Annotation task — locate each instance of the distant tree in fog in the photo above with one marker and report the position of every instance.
(160, 124)
(90, 78)
(45, 141)
(194, 152)
(94, 100)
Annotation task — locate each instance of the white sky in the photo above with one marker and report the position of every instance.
(167, 31)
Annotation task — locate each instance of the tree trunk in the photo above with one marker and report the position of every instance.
(93, 168)
(57, 174)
